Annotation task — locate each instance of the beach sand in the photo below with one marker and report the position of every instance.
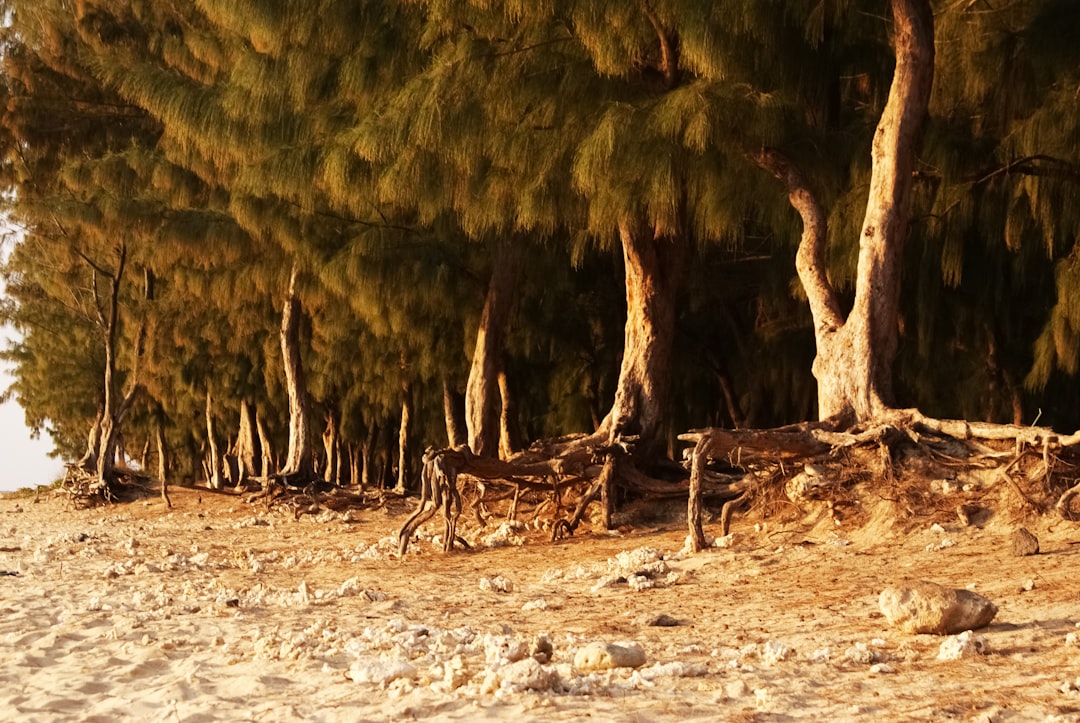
(223, 610)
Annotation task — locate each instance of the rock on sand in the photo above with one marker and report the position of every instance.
(926, 607)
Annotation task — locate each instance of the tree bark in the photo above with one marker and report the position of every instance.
(368, 456)
(855, 354)
(454, 414)
(653, 264)
(482, 400)
(300, 459)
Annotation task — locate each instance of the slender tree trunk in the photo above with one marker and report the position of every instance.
(454, 414)
(653, 265)
(482, 392)
(404, 434)
(265, 446)
(300, 459)
(162, 454)
(332, 447)
(213, 460)
(367, 453)
(354, 464)
(855, 354)
(509, 427)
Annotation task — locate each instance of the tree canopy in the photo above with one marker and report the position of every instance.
(213, 197)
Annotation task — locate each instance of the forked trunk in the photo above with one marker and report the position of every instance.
(300, 459)
(247, 448)
(855, 354)
(482, 397)
(162, 455)
(266, 448)
(653, 264)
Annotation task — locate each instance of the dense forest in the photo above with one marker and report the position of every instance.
(306, 240)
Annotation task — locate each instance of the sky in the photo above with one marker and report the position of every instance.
(23, 461)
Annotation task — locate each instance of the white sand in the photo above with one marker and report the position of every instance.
(133, 612)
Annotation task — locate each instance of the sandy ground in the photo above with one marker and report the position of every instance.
(223, 610)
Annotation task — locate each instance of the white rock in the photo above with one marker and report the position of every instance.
(881, 669)
(605, 656)
(380, 671)
(861, 654)
(538, 604)
(496, 584)
(735, 689)
(965, 645)
(527, 674)
(773, 652)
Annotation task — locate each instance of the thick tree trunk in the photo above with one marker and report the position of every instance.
(509, 427)
(213, 459)
(855, 355)
(300, 459)
(482, 400)
(454, 414)
(653, 265)
(248, 449)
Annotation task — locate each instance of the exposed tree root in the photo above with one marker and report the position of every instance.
(732, 468)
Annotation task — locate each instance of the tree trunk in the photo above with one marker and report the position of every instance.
(213, 461)
(653, 265)
(332, 447)
(266, 448)
(162, 454)
(509, 427)
(368, 456)
(404, 433)
(855, 355)
(300, 459)
(248, 449)
(454, 414)
(482, 391)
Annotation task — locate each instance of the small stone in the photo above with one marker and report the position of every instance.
(965, 645)
(735, 689)
(926, 607)
(1024, 543)
(605, 656)
(1028, 585)
(881, 669)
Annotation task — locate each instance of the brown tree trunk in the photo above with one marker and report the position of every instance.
(454, 414)
(300, 459)
(213, 460)
(482, 391)
(509, 427)
(855, 354)
(653, 265)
